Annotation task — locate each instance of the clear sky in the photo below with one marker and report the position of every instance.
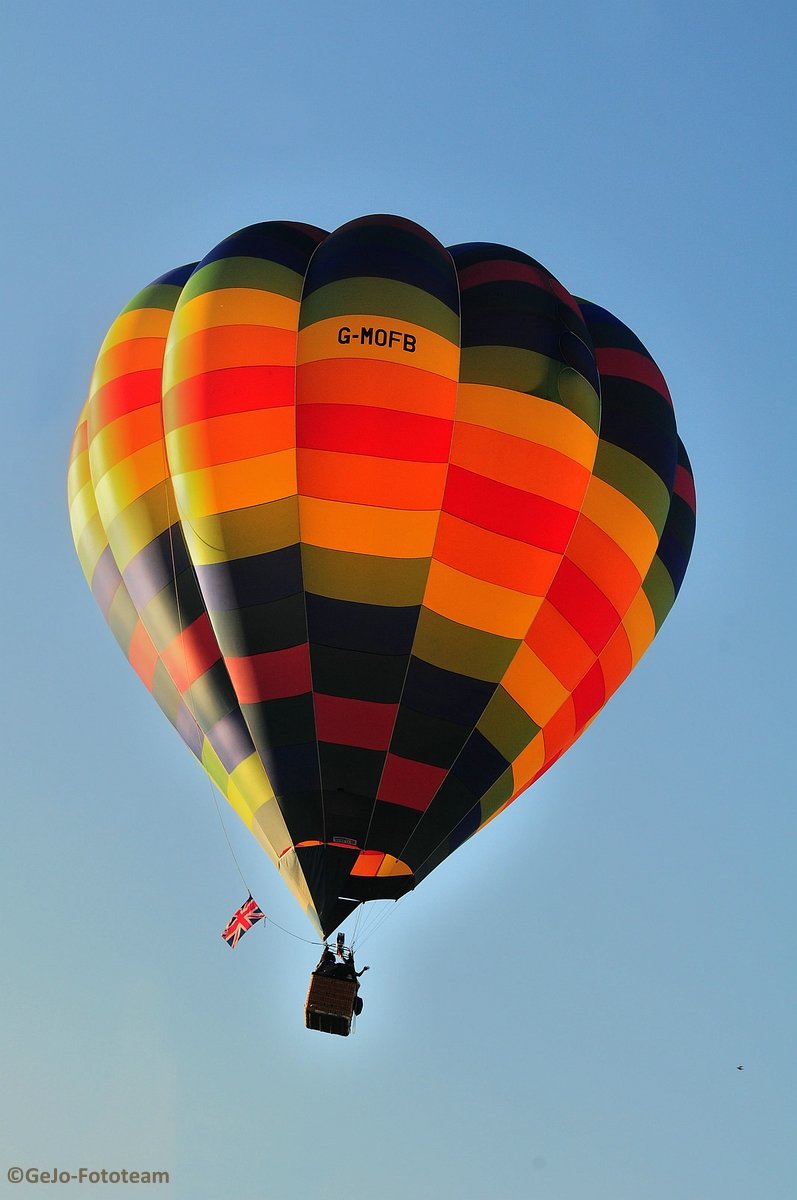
(559, 1011)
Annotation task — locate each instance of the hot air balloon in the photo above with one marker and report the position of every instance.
(381, 525)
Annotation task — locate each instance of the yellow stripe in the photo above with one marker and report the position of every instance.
(233, 306)
(291, 875)
(624, 523)
(639, 626)
(528, 762)
(364, 529)
(138, 323)
(249, 789)
(432, 352)
(140, 523)
(242, 484)
(533, 686)
(129, 479)
(77, 476)
(91, 546)
(214, 767)
(82, 509)
(479, 604)
(528, 417)
(123, 437)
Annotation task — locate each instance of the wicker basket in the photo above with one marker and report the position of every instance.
(330, 1004)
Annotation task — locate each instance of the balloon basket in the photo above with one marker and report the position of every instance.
(330, 1005)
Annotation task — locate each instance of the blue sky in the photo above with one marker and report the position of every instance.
(559, 1011)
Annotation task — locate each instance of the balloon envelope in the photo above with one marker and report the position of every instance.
(382, 526)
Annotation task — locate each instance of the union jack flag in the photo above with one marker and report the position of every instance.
(244, 918)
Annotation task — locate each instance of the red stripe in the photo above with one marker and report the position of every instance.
(685, 487)
(231, 390)
(589, 697)
(560, 731)
(192, 653)
(413, 784)
(583, 605)
(271, 676)
(383, 433)
(122, 395)
(348, 722)
(502, 268)
(142, 655)
(630, 364)
(508, 510)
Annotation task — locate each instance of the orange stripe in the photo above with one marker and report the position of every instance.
(385, 384)
(528, 763)
(604, 562)
(639, 625)
(231, 438)
(560, 648)
(493, 557)
(520, 463)
(616, 661)
(430, 352)
(227, 487)
(142, 655)
(138, 428)
(391, 533)
(527, 416)
(228, 346)
(560, 731)
(478, 604)
(362, 479)
(533, 685)
(141, 354)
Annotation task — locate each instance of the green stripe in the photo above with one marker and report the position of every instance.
(163, 619)
(364, 578)
(459, 648)
(497, 795)
(507, 726)
(534, 374)
(380, 297)
(635, 479)
(157, 295)
(660, 591)
(165, 692)
(210, 697)
(213, 765)
(242, 272)
(122, 617)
